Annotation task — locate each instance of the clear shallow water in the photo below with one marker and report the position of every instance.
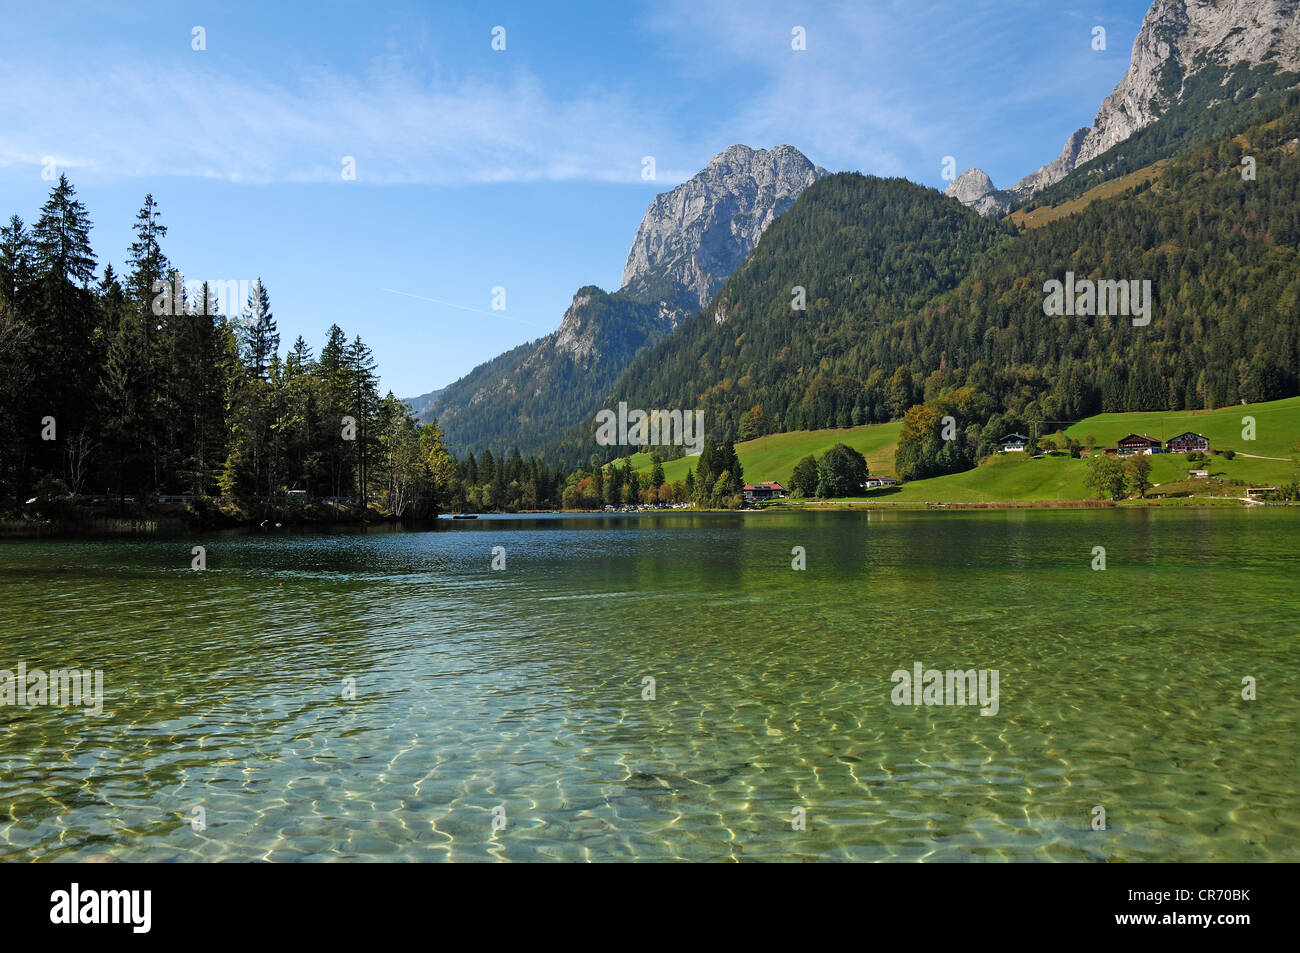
(522, 688)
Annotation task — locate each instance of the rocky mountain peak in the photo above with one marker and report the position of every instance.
(688, 244)
(1178, 39)
(571, 335)
(694, 236)
(975, 189)
(594, 323)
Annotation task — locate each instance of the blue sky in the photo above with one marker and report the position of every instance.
(519, 168)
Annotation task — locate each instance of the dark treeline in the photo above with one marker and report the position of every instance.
(716, 480)
(129, 385)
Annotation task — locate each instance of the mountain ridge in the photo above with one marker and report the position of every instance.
(950, 310)
(688, 242)
(1178, 40)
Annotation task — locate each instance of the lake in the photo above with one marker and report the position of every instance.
(504, 714)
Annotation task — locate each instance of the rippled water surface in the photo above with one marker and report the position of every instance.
(521, 690)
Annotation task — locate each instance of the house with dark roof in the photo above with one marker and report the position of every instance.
(1139, 443)
(1014, 443)
(1188, 442)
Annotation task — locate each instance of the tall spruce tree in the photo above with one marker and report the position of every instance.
(62, 237)
(365, 380)
(261, 337)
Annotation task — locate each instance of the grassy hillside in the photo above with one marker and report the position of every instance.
(1046, 214)
(773, 457)
(1012, 478)
(1277, 427)
(1002, 479)
(1015, 477)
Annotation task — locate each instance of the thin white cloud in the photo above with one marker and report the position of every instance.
(400, 128)
(890, 86)
(843, 100)
(887, 87)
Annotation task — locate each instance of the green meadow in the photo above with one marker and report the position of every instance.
(1006, 478)
(1012, 478)
(773, 457)
(1277, 427)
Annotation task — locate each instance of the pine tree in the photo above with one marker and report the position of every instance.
(261, 338)
(61, 315)
(149, 266)
(15, 378)
(204, 373)
(62, 237)
(17, 261)
(705, 475)
(335, 391)
(361, 365)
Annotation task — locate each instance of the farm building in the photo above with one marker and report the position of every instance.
(1139, 443)
(1187, 442)
(1014, 443)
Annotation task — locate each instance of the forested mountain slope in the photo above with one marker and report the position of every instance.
(522, 398)
(908, 294)
(866, 252)
(690, 239)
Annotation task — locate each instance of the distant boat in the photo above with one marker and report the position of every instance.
(465, 516)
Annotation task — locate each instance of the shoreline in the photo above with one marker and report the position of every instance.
(181, 518)
(151, 522)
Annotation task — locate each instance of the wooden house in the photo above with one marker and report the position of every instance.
(1139, 443)
(1188, 442)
